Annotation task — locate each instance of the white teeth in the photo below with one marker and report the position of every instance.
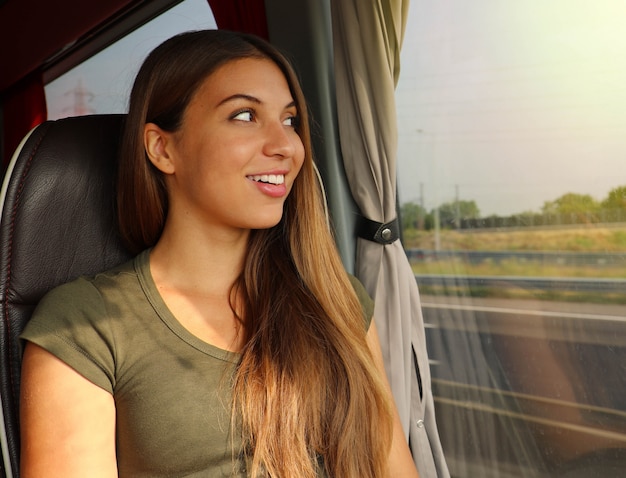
(269, 178)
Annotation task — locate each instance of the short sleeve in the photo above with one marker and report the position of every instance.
(367, 304)
(71, 322)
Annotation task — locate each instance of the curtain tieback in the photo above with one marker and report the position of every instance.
(382, 233)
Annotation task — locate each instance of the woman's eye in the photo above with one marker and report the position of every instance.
(244, 116)
(293, 121)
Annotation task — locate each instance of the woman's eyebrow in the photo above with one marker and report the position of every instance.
(240, 96)
(253, 99)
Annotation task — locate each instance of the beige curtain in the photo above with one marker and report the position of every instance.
(367, 39)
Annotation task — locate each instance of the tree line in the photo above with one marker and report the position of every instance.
(570, 208)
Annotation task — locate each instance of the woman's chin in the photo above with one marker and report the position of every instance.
(266, 222)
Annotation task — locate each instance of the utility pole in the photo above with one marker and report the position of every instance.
(81, 97)
(457, 219)
(420, 224)
(437, 227)
(432, 136)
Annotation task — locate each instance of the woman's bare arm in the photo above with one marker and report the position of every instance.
(67, 423)
(401, 463)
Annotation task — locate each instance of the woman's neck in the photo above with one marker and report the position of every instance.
(194, 275)
(202, 262)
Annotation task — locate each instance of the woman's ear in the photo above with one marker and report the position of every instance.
(157, 143)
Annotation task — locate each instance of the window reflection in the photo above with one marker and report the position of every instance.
(512, 132)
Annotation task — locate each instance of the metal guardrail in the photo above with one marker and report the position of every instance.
(559, 258)
(538, 283)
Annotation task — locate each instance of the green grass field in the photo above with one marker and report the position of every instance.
(584, 240)
(511, 267)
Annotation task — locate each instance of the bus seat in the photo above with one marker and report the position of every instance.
(58, 221)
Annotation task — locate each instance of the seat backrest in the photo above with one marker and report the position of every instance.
(58, 221)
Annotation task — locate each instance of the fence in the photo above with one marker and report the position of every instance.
(599, 259)
(602, 216)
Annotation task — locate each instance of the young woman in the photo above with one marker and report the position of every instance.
(234, 344)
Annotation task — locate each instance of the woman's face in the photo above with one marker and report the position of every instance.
(237, 154)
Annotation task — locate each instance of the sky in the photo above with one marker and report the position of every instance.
(512, 103)
(506, 103)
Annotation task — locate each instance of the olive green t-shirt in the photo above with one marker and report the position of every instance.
(171, 389)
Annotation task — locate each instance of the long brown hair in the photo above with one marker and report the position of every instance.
(306, 391)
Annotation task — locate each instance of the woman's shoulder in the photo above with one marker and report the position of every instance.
(86, 299)
(86, 290)
(81, 322)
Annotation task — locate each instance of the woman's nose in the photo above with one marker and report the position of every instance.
(279, 140)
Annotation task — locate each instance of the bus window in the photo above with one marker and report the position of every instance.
(511, 123)
(101, 84)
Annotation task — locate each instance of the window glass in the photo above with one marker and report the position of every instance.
(512, 185)
(101, 84)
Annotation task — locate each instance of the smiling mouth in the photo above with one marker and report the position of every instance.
(276, 179)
